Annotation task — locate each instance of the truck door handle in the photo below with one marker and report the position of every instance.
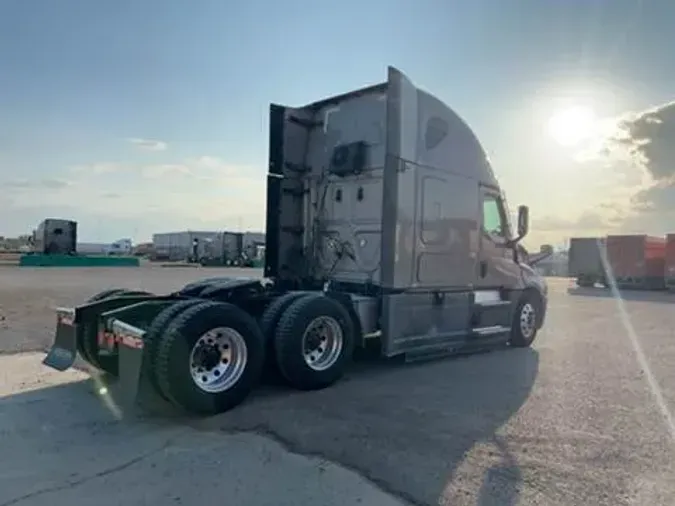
(483, 268)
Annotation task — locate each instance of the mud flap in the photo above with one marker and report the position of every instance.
(63, 352)
(103, 325)
(129, 340)
(133, 390)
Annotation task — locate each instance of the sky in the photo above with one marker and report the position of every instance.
(140, 117)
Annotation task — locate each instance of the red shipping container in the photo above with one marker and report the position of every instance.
(670, 261)
(637, 261)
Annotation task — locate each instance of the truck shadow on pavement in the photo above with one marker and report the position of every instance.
(426, 433)
(660, 296)
(408, 428)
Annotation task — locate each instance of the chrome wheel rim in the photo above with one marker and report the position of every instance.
(527, 320)
(218, 360)
(322, 343)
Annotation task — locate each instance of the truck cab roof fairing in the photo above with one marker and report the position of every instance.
(441, 138)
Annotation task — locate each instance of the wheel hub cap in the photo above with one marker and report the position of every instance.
(527, 320)
(218, 359)
(322, 343)
(207, 356)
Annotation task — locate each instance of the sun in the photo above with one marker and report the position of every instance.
(572, 125)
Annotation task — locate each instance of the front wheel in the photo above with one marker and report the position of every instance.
(525, 321)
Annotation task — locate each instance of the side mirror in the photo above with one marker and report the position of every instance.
(523, 221)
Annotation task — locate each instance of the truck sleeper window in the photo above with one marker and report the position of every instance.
(492, 216)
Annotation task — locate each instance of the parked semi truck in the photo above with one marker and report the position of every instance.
(55, 236)
(669, 268)
(385, 222)
(224, 248)
(584, 261)
(637, 261)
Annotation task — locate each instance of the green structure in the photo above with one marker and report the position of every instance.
(40, 260)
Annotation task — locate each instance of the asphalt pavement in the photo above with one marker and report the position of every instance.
(581, 418)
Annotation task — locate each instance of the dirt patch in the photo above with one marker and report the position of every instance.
(28, 296)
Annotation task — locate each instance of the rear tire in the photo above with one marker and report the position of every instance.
(105, 294)
(189, 335)
(314, 341)
(524, 328)
(585, 281)
(268, 324)
(153, 338)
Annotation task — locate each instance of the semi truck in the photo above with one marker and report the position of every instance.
(584, 261)
(55, 236)
(637, 261)
(669, 268)
(224, 248)
(385, 224)
(179, 246)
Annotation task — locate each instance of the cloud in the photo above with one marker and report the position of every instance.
(149, 144)
(166, 170)
(632, 164)
(26, 184)
(99, 168)
(204, 168)
(647, 137)
(204, 192)
(647, 141)
(588, 221)
(202, 173)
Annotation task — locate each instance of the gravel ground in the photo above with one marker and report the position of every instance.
(29, 295)
(582, 418)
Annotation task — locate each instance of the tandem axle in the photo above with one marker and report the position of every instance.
(205, 355)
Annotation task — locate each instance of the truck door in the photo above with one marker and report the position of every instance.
(496, 267)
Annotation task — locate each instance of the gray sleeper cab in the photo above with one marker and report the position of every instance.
(419, 210)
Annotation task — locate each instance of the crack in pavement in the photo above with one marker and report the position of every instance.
(106, 472)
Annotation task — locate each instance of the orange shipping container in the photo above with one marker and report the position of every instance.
(637, 261)
(670, 261)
